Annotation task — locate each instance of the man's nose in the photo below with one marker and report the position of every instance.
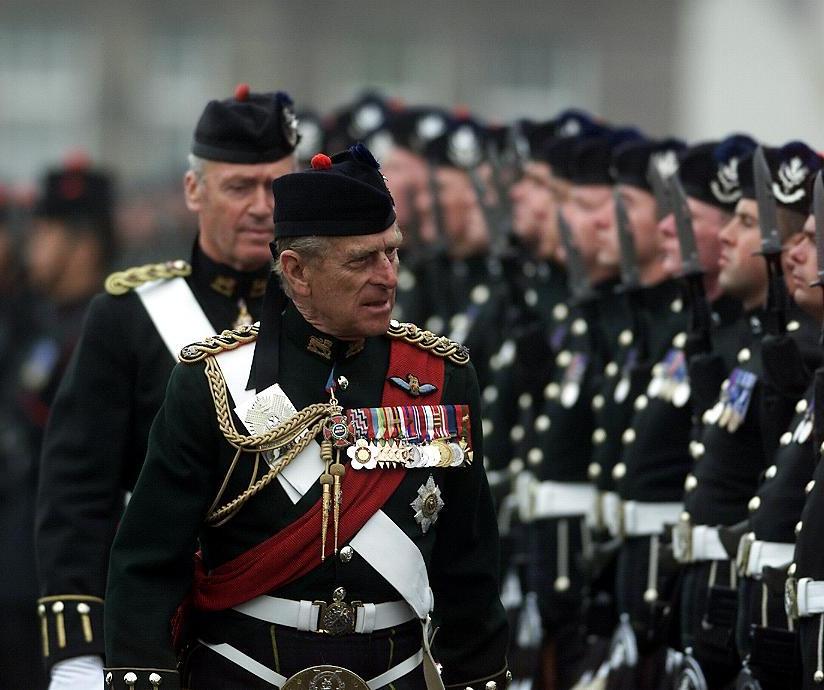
(263, 202)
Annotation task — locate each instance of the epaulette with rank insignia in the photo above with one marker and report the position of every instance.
(121, 282)
(427, 340)
(228, 340)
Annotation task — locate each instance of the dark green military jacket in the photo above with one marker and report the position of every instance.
(654, 464)
(96, 439)
(657, 315)
(723, 480)
(188, 457)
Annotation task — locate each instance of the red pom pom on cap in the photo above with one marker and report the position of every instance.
(242, 92)
(77, 160)
(320, 161)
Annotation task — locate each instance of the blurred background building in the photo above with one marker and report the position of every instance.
(126, 80)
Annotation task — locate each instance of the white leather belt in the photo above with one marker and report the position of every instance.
(612, 513)
(754, 554)
(308, 616)
(691, 543)
(254, 667)
(560, 499)
(645, 519)
(804, 597)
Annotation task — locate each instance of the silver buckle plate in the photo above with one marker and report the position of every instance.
(791, 597)
(325, 678)
(338, 617)
(682, 541)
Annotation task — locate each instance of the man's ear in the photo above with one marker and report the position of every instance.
(193, 190)
(297, 272)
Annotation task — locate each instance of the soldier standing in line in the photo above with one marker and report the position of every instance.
(96, 438)
(654, 459)
(650, 296)
(320, 563)
(557, 445)
(719, 488)
(522, 365)
(765, 637)
(805, 574)
(455, 204)
(399, 145)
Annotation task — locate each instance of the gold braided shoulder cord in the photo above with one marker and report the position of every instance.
(427, 340)
(296, 432)
(121, 282)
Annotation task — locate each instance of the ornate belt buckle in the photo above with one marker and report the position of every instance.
(337, 618)
(791, 597)
(743, 555)
(682, 541)
(325, 678)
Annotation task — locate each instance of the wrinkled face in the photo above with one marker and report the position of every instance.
(802, 265)
(351, 289)
(234, 204)
(48, 246)
(407, 175)
(590, 210)
(640, 206)
(742, 274)
(707, 221)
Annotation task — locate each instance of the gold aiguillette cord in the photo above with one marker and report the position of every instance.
(337, 434)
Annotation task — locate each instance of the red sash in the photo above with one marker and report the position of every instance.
(295, 550)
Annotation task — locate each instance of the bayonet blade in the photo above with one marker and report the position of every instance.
(767, 215)
(660, 190)
(578, 282)
(690, 264)
(818, 212)
(626, 243)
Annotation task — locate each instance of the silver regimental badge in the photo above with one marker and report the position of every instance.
(725, 187)
(264, 412)
(428, 504)
(366, 118)
(666, 162)
(429, 127)
(290, 125)
(464, 148)
(790, 185)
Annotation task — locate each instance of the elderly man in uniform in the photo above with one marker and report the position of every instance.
(354, 519)
(96, 438)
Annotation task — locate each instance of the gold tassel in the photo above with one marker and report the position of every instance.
(44, 628)
(326, 481)
(57, 609)
(86, 622)
(337, 470)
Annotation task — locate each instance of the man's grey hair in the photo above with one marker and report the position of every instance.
(197, 166)
(311, 247)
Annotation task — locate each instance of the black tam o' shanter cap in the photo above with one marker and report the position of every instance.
(342, 195)
(709, 171)
(248, 128)
(76, 191)
(630, 161)
(793, 168)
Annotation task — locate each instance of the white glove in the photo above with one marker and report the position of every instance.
(77, 673)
